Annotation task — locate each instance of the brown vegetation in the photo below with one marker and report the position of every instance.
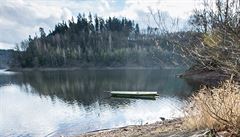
(215, 46)
(215, 108)
(218, 47)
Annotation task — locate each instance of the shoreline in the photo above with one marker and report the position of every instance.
(86, 68)
(209, 78)
(129, 130)
(164, 128)
(173, 128)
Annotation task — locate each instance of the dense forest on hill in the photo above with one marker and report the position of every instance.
(94, 41)
(5, 58)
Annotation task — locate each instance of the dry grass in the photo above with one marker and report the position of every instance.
(215, 108)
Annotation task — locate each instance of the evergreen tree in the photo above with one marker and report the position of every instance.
(42, 33)
(88, 41)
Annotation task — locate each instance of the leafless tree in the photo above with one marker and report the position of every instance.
(216, 46)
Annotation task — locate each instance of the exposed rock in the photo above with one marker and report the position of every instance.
(162, 118)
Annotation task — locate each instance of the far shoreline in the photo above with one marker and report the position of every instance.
(87, 68)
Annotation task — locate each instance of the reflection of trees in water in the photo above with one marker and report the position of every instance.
(5, 79)
(88, 86)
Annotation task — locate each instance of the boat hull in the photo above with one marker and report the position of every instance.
(134, 94)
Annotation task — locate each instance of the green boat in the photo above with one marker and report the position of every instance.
(135, 94)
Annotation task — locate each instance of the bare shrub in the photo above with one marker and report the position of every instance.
(215, 108)
(219, 21)
(217, 45)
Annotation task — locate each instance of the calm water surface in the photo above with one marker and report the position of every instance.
(53, 103)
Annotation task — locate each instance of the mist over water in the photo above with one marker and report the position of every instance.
(73, 102)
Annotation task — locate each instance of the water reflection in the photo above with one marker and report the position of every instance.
(72, 102)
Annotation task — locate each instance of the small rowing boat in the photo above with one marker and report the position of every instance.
(135, 94)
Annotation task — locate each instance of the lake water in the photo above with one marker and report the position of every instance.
(53, 103)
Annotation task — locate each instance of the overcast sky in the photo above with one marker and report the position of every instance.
(20, 18)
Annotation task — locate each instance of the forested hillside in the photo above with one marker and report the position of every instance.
(94, 41)
(5, 58)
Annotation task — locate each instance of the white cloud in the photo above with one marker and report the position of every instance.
(20, 18)
(6, 45)
(175, 8)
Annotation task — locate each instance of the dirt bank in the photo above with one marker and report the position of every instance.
(205, 77)
(173, 128)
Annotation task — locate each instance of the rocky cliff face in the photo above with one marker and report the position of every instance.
(5, 58)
